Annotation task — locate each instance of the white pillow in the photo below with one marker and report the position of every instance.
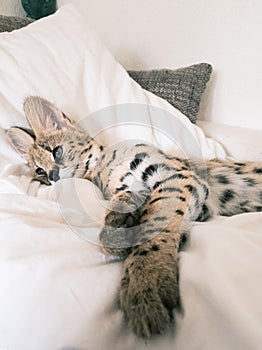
(61, 59)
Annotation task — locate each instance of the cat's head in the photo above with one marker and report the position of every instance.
(56, 148)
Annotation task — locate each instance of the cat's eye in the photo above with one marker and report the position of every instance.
(40, 172)
(58, 153)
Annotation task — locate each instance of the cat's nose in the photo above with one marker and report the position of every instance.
(54, 174)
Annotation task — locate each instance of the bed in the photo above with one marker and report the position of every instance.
(58, 291)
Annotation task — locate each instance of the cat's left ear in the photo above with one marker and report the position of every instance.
(44, 115)
(21, 140)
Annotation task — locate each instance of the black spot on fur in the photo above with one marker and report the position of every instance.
(155, 247)
(170, 189)
(112, 158)
(238, 171)
(149, 171)
(141, 253)
(204, 215)
(244, 210)
(124, 176)
(189, 187)
(205, 210)
(75, 170)
(121, 188)
(257, 170)
(183, 240)
(222, 179)
(193, 190)
(176, 176)
(156, 185)
(85, 151)
(145, 212)
(169, 178)
(166, 230)
(184, 168)
(157, 199)
(206, 190)
(141, 155)
(244, 206)
(227, 196)
(249, 181)
(140, 144)
(160, 218)
(134, 164)
(179, 212)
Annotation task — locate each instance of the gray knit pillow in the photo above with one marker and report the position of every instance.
(9, 23)
(182, 88)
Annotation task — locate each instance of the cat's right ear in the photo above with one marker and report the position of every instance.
(20, 140)
(44, 115)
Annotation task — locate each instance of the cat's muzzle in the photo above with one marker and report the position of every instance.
(54, 174)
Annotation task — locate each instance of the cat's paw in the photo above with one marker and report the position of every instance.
(122, 227)
(119, 233)
(121, 217)
(149, 293)
(116, 241)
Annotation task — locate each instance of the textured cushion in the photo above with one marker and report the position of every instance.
(9, 23)
(183, 87)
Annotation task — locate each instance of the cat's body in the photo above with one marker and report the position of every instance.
(154, 198)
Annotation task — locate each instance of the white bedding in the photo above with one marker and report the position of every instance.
(58, 291)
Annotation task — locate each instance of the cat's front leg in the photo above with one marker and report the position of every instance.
(149, 287)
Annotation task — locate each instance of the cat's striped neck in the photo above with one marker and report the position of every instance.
(94, 152)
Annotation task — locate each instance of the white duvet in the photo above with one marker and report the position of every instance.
(57, 290)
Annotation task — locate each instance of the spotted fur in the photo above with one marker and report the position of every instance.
(154, 198)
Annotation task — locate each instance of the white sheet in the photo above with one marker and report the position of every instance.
(59, 292)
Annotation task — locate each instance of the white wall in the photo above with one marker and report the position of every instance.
(11, 8)
(173, 33)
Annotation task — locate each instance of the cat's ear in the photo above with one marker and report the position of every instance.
(43, 115)
(20, 140)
